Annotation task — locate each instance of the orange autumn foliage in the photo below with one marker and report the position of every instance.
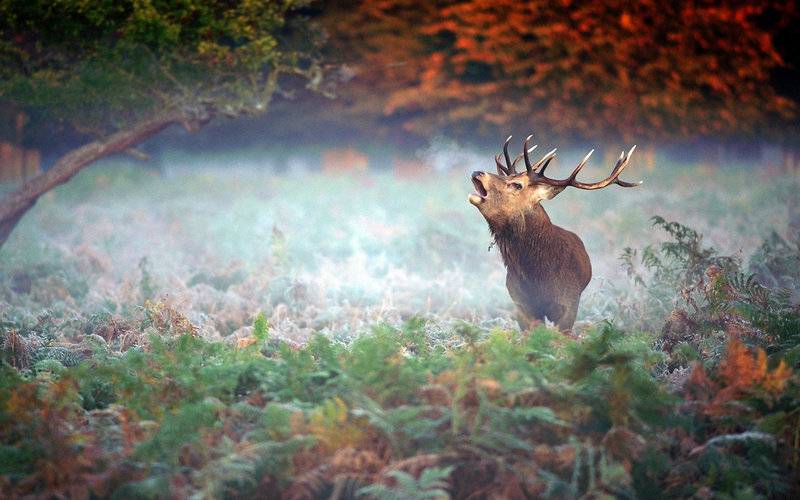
(616, 70)
(741, 370)
(739, 374)
(46, 419)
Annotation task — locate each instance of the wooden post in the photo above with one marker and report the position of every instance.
(789, 160)
(411, 168)
(10, 162)
(18, 164)
(5, 160)
(344, 160)
(32, 164)
(19, 126)
(649, 157)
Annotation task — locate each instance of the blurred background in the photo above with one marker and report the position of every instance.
(715, 82)
(334, 194)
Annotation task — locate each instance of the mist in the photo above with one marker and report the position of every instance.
(225, 236)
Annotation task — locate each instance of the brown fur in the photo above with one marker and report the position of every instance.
(547, 266)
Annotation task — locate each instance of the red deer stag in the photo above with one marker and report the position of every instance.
(547, 266)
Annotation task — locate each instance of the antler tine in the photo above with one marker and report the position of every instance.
(627, 184)
(510, 165)
(574, 173)
(525, 152)
(633, 148)
(514, 163)
(613, 178)
(500, 168)
(622, 162)
(619, 182)
(544, 162)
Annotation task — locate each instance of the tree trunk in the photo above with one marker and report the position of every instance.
(650, 157)
(16, 204)
(790, 160)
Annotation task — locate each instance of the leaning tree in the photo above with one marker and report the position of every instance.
(120, 72)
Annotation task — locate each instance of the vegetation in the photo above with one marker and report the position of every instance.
(121, 72)
(243, 334)
(647, 72)
(109, 388)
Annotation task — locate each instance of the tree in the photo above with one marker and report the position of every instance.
(574, 68)
(123, 71)
(785, 78)
(381, 51)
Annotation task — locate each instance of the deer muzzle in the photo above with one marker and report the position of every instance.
(480, 195)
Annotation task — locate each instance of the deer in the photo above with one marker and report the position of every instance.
(547, 266)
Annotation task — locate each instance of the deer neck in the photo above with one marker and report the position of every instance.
(523, 240)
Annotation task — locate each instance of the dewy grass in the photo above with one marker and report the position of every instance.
(341, 253)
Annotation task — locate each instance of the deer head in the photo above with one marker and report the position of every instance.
(504, 196)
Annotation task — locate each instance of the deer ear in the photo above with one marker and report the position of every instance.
(541, 192)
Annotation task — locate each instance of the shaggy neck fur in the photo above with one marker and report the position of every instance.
(522, 239)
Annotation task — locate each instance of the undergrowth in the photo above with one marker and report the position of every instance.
(697, 396)
(392, 415)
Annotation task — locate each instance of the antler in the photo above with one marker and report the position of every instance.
(622, 162)
(510, 168)
(536, 170)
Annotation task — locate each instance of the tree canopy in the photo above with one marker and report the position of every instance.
(104, 65)
(651, 69)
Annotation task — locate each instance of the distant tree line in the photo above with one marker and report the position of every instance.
(651, 70)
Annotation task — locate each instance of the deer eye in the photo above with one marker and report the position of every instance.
(515, 185)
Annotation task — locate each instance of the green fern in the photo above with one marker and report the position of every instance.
(432, 483)
(409, 428)
(260, 329)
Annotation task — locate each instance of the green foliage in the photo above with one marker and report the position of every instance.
(260, 328)
(720, 294)
(53, 366)
(770, 312)
(776, 263)
(408, 428)
(593, 474)
(379, 367)
(59, 354)
(678, 262)
(239, 418)
(102, 65)
(240, 470)
(717, 291)
(430, 484)
(667, 271)
(179, 429)
(683, 258)
(613, 374)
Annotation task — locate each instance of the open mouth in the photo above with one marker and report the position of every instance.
(478, 198)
